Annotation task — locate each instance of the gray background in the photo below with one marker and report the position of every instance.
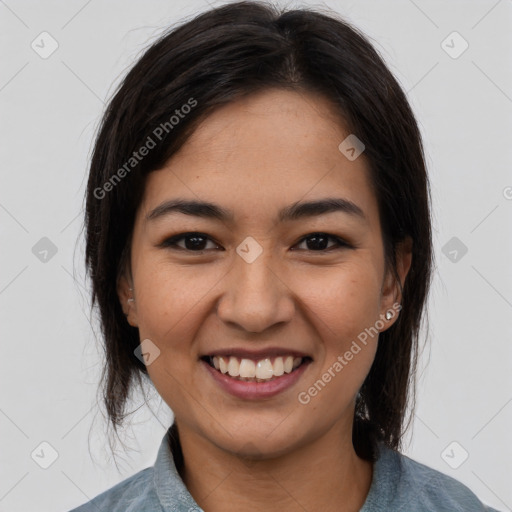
(51, 360)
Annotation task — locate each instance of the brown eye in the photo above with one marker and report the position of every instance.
(193, 242)
(318, 242)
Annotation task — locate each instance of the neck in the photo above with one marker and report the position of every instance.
(325, 474)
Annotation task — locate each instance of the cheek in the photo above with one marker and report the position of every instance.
(169, 298)
(343, 305)
(340, 302)
(345, 300)
(169, 301)
(171, 304)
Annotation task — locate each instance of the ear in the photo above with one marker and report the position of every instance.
(127, 298)
(391, 295)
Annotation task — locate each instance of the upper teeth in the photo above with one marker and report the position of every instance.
(263, 369)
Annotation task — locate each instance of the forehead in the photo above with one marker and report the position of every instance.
(265, 151)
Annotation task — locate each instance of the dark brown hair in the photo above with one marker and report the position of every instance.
(216, 58)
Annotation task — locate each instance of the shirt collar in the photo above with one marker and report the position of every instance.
(174, 495)
(170, 488)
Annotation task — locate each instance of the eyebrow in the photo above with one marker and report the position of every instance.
(295, 211)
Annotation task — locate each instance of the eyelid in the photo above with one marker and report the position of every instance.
(170, 242)
(341, 243)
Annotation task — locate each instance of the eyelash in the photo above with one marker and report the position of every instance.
(172, 242)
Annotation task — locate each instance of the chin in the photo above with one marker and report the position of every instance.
(259, 440)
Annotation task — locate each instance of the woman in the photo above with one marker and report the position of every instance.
(259, 243)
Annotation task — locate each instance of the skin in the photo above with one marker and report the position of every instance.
(256, 156)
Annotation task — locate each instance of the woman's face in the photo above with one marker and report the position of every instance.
(268, 286)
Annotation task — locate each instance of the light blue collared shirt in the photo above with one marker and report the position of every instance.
(398, 484)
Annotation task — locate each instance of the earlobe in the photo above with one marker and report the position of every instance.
(404, 261)
(127, 300)
(391, 299)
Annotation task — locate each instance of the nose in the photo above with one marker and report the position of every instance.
(256, 297)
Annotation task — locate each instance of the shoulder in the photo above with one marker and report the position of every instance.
(415, 487)
(154, 489)
(133, 494)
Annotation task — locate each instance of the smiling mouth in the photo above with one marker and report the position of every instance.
(250, 370)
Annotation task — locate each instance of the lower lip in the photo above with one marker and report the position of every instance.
(256, 390)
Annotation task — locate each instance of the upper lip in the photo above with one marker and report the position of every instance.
(256, 354)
